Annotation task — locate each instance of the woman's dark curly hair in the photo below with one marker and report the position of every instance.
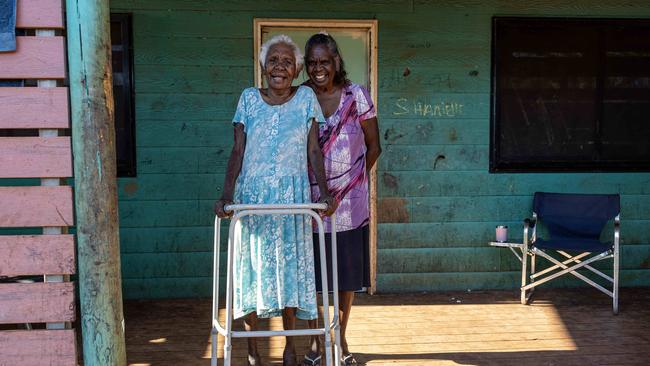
(341, 76)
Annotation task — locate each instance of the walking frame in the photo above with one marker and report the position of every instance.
(243, 210)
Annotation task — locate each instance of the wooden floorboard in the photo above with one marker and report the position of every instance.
(560, 327)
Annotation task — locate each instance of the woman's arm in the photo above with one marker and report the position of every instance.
(370, 129)
(234, 167)
(316, 160)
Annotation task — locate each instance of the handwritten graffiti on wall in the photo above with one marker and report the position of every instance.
(405, 107)
(395, 78)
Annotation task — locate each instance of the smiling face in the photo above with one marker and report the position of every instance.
(321, 66)
(280, 66)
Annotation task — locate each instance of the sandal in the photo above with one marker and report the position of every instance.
(349, 360)
(311, 362)
(257, 361)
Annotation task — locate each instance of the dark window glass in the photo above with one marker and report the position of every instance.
(570, 95)
(122, 61)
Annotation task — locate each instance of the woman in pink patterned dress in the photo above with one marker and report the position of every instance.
(350, 143)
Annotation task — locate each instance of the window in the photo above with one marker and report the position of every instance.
(570, 95)
(122, 56)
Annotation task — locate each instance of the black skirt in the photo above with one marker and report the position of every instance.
(353, 254)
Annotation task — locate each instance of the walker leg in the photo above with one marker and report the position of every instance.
(328, 349)
(338, 352)
(215, 289)
(227, 346)
(213, 356)
(226, 355)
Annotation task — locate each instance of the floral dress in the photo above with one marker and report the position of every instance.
(274, 260)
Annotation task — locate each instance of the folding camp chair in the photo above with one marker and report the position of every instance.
(574, 223)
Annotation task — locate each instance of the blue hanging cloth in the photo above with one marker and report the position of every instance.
(7, 25)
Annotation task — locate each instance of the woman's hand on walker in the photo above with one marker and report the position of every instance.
(219, 207)
(332, 205)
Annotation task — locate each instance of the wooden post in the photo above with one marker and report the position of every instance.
(93, 141)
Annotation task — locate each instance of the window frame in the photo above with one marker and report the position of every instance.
(128, 166)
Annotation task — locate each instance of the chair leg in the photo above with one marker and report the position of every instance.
(533, 258)
(524, 276)
(615, 285)
(616, 257)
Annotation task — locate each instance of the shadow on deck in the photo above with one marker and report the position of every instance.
(560, 327)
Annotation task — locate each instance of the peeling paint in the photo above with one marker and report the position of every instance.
(438, 158)
(452, 135)
(392, 209)
(130, 188)
(645, 263)
(390, 135)
(99, 165)
(107, 84)
(387, 133)
(390, 181)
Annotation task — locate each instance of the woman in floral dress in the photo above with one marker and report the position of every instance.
(276, 136)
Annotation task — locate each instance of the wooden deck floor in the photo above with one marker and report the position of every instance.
(472, 328)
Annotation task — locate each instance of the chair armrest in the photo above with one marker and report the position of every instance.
(530, 223)
(617, 231)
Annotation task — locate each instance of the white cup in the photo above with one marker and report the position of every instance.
(502, 233)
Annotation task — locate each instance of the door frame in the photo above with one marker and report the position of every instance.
(370, 25)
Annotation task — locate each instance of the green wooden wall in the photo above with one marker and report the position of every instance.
(438, 205)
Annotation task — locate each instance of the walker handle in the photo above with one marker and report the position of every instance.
(276, 206)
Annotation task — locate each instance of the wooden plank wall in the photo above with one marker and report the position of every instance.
(438, 205)
(36, 300)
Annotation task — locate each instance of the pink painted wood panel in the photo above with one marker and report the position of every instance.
(22, 255)
(38, 347)
(34, 58)
(39, 14)
(34, 108)
(39, 302)
(34, 157)
(36, 206)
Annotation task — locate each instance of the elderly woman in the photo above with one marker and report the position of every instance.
(350, 143)
(276, 132)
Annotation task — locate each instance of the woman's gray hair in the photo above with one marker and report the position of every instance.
(280, 38)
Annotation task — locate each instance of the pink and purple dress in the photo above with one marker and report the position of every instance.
(344, 150)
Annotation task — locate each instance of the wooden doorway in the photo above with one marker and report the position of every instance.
(357, 40)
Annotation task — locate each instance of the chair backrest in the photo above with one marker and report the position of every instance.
(568, 215)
